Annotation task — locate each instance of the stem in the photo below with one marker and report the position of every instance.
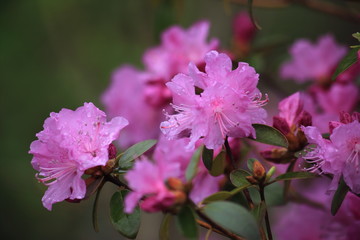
(116, 181)
(267, 221)
(229, 153)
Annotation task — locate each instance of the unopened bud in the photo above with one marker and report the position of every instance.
(259, 171)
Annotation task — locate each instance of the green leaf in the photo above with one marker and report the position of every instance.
(270, 135)
(346, 62)
(274, 195)
(193, 165)
(238, 178)
(234, 218)
(164, 227)
(239, 189)
(250, 164)
(127, 224)
(187, 223)
(295, 175)
(339, 196)
(222, 195)
(219, 164)
(207, 157)
(127, 158)
(95, 207)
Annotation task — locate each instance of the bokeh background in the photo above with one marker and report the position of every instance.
(59, 54)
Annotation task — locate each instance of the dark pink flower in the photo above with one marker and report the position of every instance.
(313, 61)
(228, 106)
(72, 142)
(126, 97)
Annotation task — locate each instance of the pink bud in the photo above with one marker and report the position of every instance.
(243, 28)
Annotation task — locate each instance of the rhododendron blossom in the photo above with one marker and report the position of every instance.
(340, 155)
(125, 97)
(313, 61)
(228, 106)
(148, 179)
(72, 142)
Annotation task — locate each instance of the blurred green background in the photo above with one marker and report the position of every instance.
(58, 54)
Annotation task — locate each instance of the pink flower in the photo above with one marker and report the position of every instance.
(72, 142)
(126, 97)
(313, 61)
(228, 106)
(147, 180)
(178, 48)
(243, 28)
(339, 156)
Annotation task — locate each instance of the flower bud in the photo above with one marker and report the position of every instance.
(259, 171)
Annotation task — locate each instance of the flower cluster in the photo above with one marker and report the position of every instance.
(72, 142)
(227, 106)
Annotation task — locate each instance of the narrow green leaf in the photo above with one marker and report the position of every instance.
(164, 227)
(295, 175)
(187, 223)
(219, 164)
(222, 195)
(238, 178)
(339, 196)
(126, 224)
(250, 164)
(234, 218)
(346, 62)
(270, 135)
(95, 207)
(133, 152)
(207, 157)
(239, 189)
(193, 165)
